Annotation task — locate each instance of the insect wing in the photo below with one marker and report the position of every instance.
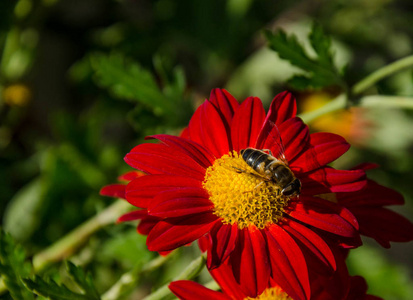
(274, 142)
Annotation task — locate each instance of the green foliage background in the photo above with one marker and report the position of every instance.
(100, 75)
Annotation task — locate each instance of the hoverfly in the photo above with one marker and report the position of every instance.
(273, 167)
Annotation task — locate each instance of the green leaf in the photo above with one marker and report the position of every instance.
(84, 281)
(322, 46)
(51, 290)
(13, 266)
(290, 49)
(320, 71)
(128, 80)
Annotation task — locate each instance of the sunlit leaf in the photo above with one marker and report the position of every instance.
(21, 217)
(320, 71)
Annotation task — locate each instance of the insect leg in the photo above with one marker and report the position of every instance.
(268, 150)
(238, 170)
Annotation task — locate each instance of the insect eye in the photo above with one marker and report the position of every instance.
(288, 190)
(292, 188)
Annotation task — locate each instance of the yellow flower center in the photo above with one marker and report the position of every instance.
(240, 195)
(273, 293)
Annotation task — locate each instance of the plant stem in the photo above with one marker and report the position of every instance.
(336, 104)
(367, 101)
(386, 101)
(190, 272)
(70, 243)
(127, 281)
(381, 73)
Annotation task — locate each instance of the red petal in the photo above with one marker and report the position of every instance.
(246, 124)
(134, 215)
(372, 195)
(225, 279)
(203, 243)
(295, 136)
(146, 224)
(221, 244)
(314, 244)
(198, 153)
(327, 179)
(328, 146)
(185, 133)
(282, 108)
(358, 288)
(262, 263)
(366, 166)
(114, 190)
(189, 290)
(384, 225)
(325, 148)
(249, 262)
(141, 191)
(180, 202)
(326, 215)
(129, 176)
(209, 127)
(289, 268)
(162, 159)
(224, 103)
(333, 287)
(176, 232)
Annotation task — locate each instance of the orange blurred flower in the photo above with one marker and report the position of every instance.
(353, 124)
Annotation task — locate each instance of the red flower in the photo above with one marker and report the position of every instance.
(197, 185)
(189, 290)
(340, 286)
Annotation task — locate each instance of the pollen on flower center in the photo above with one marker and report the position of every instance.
(242, 196)
(273, 293)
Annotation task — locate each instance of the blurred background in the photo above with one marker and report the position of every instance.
(83, 81)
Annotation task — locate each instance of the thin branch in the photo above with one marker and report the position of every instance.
(381, 73)
(71, 242)
(190, 272)
(367, 101)
(386, 101)
(128, 280)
